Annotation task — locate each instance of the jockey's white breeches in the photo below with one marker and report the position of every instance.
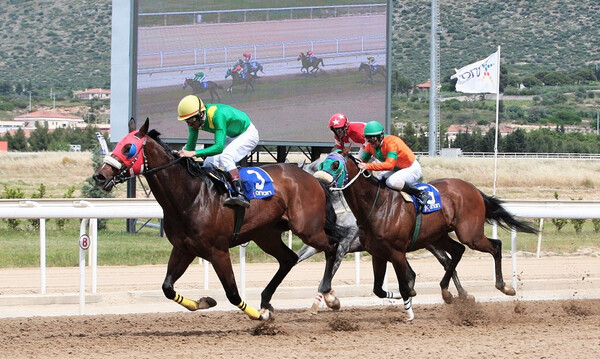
(236, 148)
(397, 179)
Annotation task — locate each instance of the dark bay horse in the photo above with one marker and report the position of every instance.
(200, 87)
(388, 222)
(351, 243)
(238, 79)
(368, 69)
(252, 67)
(198, 224)
(307, 63)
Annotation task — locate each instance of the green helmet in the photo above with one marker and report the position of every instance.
(373, 128)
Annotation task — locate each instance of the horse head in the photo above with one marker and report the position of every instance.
(333, 171)
(301, 56)
(186, 83)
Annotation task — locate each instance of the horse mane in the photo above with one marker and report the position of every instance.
(371, 179)
(192, 166)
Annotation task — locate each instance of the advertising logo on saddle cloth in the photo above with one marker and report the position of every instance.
(434, 203)
(257, 183)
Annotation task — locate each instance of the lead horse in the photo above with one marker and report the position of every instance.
(389, 222)
(443, 252)
(198, 224)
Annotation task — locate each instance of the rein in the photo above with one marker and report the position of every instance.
(361, 171)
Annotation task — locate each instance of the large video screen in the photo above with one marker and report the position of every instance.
(306, 63)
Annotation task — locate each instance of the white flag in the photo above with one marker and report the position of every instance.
(479, 77)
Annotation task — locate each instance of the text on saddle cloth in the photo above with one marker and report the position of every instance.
(434, 203)
(257, 182)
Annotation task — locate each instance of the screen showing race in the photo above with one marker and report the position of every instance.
(289, 68)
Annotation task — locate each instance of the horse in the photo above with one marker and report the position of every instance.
(238, 79)
(251, 67)
(389, 222)
(351, 243)
(370, 72)
(308, 63)
(200, 87)
(197, 224)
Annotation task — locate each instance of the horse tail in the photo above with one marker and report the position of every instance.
(334, 232)
(322, 62)
(495, 211)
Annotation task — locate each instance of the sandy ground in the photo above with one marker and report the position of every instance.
(556, 312)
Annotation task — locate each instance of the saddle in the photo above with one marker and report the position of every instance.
(256, 182)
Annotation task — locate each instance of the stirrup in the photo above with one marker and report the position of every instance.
(238, 200)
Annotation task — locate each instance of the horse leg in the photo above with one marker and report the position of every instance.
(178, 263)
(379, 269)
(476, 239)
(456, 250)
(270, 242)
(221, 262)
(402, 269)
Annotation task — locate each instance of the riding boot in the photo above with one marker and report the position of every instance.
(421, 195)
(236, 182)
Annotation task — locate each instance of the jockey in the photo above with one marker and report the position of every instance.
(247, 56)
(371, 62)
(235, 138)
(311, 55)
(347, 134)
(398, 164)
(199, 76)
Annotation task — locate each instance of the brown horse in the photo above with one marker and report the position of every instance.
(239, 79)
(198, 224)
(200, 87)
(389, 222)
(368, 69)
(307, 63)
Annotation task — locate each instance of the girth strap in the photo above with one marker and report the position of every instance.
(416, 232)
(239, 219)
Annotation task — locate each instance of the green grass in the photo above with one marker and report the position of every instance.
(20, 248)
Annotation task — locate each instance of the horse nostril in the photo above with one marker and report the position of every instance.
(99, 178)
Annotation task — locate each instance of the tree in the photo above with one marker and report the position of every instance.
(515, 142)
(19, 141)
(39, 139)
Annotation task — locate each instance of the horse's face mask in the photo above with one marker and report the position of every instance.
(333, 170)
(127, 152)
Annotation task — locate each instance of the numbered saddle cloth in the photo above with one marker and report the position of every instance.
(434, 203)
(257, 183)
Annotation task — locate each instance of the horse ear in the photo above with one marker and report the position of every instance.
(131, 124)
(144, 129)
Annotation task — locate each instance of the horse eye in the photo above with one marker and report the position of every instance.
(335, 165)
(126, 149)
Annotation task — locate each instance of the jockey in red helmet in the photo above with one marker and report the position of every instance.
(347, 134)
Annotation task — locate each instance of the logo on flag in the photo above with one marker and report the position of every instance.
(479, 77)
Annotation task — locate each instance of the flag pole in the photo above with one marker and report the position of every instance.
(497, 128)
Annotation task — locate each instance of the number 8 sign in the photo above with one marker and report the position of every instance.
(84, 241)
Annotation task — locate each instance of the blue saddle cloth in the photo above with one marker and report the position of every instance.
(204, 84)
(257, 183)
(435, 201)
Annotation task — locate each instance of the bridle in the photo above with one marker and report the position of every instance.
(127, 172)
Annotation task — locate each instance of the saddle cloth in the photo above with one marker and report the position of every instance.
(433, 204)
(257, 183)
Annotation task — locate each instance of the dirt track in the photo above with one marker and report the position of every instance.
(490, 330)
(515, 327)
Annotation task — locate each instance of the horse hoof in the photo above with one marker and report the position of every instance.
(508, 290)
(413, 293)
(266, 315)
(331, 300)
(335, 305)
(206, 302)
(447, 296)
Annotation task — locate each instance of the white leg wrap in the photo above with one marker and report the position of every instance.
(315, 307)
(408, 309)
(393, 295)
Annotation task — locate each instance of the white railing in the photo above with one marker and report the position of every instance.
(262, 14)
(91, 209)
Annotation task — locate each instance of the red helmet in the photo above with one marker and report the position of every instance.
(338, 120)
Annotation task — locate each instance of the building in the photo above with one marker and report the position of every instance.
(91, 94)
(53, 119)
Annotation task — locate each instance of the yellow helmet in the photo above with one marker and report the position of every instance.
(189, 106)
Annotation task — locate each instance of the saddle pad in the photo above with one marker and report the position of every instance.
(435, 201)
(204, 84)
(257, 183)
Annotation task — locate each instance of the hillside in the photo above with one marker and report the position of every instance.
(66, 44)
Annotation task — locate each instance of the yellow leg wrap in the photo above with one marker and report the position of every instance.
(251, 312)
(187, 303)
